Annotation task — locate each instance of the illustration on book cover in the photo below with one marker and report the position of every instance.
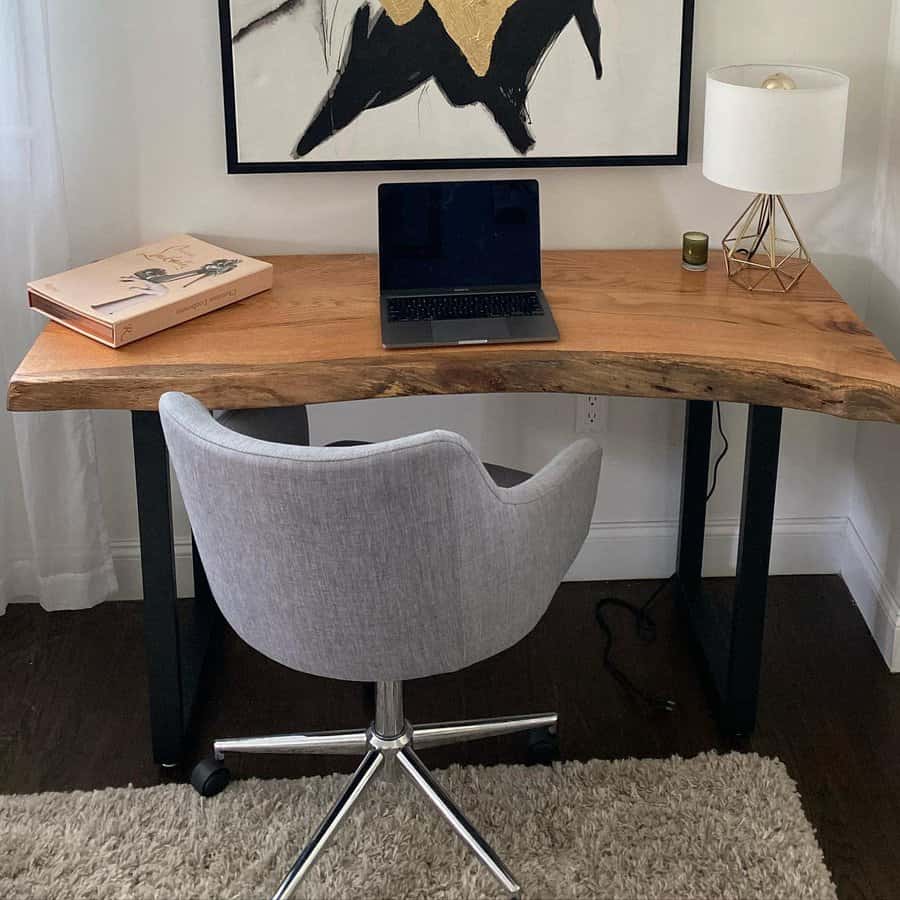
(154, 283)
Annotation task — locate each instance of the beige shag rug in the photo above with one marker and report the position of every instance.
(714, 826)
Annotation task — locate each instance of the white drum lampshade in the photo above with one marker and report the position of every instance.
(775, 141)
(772, 130)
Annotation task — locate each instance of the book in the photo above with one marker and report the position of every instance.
(131, 295)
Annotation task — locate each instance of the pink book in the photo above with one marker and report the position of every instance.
(126, 297)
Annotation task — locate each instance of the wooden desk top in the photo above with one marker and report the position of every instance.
(632, 323)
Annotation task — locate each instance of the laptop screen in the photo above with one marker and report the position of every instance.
(459, 234)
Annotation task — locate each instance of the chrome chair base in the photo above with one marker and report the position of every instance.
(388, 746)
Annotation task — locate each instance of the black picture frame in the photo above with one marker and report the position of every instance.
(236, 167)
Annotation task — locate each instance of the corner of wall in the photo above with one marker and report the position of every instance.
(878, 603)
(871, 549)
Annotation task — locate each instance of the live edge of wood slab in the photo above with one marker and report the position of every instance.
(632, 323)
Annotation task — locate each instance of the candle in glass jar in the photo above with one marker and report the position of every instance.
(695, 251)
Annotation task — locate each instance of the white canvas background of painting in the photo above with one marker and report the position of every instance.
(281, 78)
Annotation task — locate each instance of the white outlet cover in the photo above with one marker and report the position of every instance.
(592, 414)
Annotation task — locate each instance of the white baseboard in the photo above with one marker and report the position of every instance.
(634, 550)
(877, 601)
(127, 560)
(612, 551)
(799, 547)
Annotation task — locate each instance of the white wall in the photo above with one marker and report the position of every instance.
(875, 508)
(139, 100)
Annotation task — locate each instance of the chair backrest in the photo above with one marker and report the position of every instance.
(375, 563)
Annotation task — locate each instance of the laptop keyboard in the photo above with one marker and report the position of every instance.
(463, 306)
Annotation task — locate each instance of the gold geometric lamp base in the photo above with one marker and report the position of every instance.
(763, 250)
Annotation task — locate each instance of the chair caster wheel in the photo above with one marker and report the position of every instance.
(210, 777)
(543, 746)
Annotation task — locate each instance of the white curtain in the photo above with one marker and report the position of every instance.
(53, 541)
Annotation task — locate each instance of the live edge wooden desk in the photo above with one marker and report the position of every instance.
(632, 324)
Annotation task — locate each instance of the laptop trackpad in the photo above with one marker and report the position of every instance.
(451, 332)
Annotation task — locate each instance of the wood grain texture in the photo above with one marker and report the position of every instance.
(632, 323)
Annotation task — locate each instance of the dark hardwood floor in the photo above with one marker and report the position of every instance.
(73, 708)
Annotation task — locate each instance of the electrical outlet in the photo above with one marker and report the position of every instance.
(592, 412)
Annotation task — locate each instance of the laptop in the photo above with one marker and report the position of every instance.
(460, 263)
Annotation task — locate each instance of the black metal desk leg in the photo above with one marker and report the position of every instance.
(729, 642)
(202, 593)
(754, 549)
(161, 629)
(694, 478)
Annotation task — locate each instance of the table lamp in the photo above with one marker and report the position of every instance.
(772, 130)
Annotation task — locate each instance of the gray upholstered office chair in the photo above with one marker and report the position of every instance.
(378, 563)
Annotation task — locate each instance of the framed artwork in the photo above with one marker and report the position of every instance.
(339, 85)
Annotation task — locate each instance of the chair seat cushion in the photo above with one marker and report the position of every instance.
(506, 477)
(287, 425)
(502, 475)
(278, 424)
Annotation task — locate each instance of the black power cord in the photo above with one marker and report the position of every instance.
(721, 456)
(645, 625)
(646, 631)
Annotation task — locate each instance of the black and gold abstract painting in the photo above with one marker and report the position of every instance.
(360, 84)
